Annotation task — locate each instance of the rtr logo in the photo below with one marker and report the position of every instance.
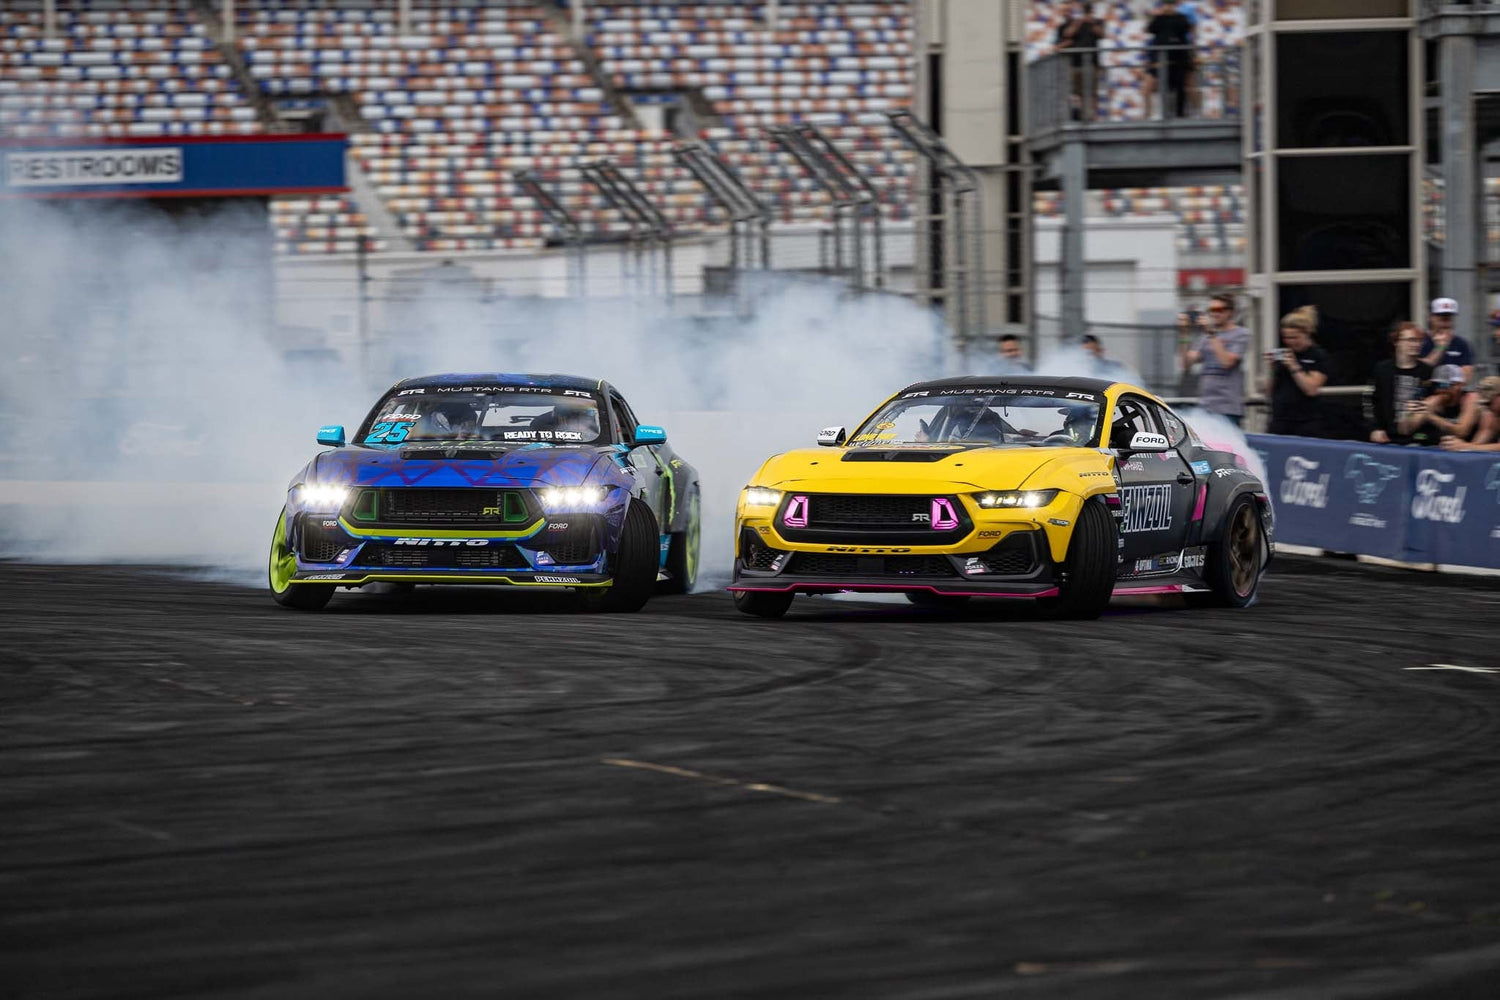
(1369, 476)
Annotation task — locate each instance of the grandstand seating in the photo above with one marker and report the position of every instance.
(1210, 218)
(321, 225)
(124, 68)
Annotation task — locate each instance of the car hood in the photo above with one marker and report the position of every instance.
(923, 469)
(418, 466)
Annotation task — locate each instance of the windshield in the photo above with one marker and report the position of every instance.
(984, 418)
(510, 415)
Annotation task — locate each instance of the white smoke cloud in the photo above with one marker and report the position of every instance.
(152, 418)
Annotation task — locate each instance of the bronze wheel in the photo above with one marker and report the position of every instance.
(1244, 551)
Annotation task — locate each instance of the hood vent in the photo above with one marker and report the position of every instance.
(439, 454)
(893, 455)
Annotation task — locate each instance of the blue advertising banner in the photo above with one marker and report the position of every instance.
(173, 167)
(1412, 504)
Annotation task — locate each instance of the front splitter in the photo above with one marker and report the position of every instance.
(878, 585)
(359, 577)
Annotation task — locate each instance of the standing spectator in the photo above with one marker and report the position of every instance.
(1221, 350)
(1011, 357)
(1083, 32)
(1299, 370)
(1171, 36)
(1495, 341)
(1450, 412)
(1399, 382)
(1487, 437)
(1099, 365)
(1443, 346)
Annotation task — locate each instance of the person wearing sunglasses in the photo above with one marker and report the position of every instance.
(1400, 386)
(1221, 350)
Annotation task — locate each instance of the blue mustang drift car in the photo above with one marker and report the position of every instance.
(516, 480)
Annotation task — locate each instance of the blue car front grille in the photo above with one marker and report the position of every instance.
(441, 557)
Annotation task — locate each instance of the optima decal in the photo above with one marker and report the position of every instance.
(1147, 508)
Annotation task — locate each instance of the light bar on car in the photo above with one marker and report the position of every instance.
(759, 496)
(572, 498)
(323, 496)
(1007, 499)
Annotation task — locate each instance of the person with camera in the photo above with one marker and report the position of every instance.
(1298, 373)
(1443, 346)
(1450, 412)
(1487, 437)
(1221, 350)
(1400, 385)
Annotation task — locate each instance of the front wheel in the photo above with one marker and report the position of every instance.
(302, 596)
(633, 565)
(1232, 568)
(762, 604)
(1089, 568)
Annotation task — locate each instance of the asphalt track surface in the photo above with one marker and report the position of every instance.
(462, 793)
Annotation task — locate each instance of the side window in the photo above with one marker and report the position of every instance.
(1171, 425)
(625, 422)
(1131, 416)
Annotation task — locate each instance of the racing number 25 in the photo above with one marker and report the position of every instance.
(388, 432)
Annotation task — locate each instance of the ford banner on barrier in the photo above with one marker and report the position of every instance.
(1416, 505)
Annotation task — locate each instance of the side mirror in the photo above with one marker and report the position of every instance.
(650, 434)
(331, 435)
(1146, 441)
(832, 437)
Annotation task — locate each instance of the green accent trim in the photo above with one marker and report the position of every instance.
(366, 506)
(416, 531)
(514, 507)
(444, 578)
(283, 561)
(695, 507)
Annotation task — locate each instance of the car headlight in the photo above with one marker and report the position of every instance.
(557, 499)
(759, 496)
(323, 496)
(1015, 498)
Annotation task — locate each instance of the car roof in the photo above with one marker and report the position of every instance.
(1077, 384)
(553, 381)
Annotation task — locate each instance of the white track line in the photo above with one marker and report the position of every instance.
(1454, 666)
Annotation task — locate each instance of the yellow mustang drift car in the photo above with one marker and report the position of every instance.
(1065, 490)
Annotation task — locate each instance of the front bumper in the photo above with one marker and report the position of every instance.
(1004, 553)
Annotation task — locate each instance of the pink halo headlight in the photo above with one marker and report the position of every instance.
(796, 513)
(943, 516)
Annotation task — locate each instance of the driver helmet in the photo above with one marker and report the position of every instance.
(455, 416)
(574, 417)
(1079, 423)
(970, 417)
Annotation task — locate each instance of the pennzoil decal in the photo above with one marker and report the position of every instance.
(1147, 508)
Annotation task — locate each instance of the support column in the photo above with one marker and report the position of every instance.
(49, 18)
(403, 17)
(1464, 210)
(773, 14)
(579, 21)
(1071, 265)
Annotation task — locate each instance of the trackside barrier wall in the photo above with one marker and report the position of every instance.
(1417, 505)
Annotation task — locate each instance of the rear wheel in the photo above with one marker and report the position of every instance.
(682, 555)
(302, 596)
(927, 599)
(1232, 568)
(762, 604)
(1089, 568)
(633, 565)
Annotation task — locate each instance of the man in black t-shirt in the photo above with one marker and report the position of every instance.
(1083, 32)
(1400, 387)
(1171, 30)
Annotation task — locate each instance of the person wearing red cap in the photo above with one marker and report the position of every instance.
(1443, 346)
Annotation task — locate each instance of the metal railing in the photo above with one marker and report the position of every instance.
(1087, 87)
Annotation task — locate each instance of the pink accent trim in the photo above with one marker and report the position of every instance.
(884, 588)
(943, 517)
(1202, 496)
(1169, 589)
(68, 142)
(796, 513)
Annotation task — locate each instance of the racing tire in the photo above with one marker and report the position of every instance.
(682, 553)
(634, 565)
(1089, 567)
(301, 596)
(941, 602)
(760, 604)
(1234, 562)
